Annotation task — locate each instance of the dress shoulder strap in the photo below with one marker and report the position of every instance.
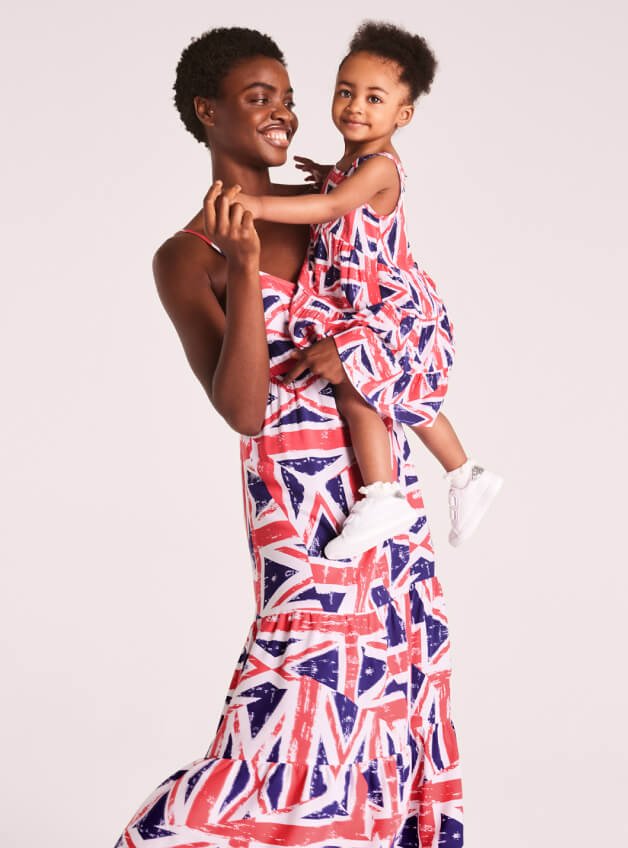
(203, 237)
(399, 166)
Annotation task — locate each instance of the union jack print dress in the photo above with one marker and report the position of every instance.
(336, 730)
(361, 285)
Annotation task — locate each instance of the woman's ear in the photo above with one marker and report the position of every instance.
(405, 115)
(204, 108)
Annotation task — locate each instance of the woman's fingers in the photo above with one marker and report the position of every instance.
(209, 208)
(321, 359)
(223, 204)
(326, 360)
(236, 212)
(298, 367)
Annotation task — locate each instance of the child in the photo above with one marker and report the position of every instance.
(362, 286)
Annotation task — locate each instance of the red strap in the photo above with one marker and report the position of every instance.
(204, 238)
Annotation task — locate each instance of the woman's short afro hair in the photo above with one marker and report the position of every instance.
(207, 60)
(411, 52)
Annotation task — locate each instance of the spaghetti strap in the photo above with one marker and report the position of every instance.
(399, 166)
(203, 238)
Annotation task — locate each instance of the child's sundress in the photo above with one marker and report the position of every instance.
(361, 285)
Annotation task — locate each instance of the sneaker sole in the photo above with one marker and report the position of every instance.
(402, 524)
(486, 500)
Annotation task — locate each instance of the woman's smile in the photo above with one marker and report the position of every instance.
(277, 135)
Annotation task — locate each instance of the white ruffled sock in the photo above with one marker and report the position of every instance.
(459, 477)
(380, 488)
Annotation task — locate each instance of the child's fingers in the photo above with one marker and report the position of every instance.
(302, 163)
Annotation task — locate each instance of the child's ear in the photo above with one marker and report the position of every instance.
(405, 115)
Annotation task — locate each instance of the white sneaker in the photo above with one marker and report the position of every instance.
(381, 514)
(467, 504)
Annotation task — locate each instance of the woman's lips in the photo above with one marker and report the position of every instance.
(277, 137)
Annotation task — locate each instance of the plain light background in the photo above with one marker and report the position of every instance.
(126, 589)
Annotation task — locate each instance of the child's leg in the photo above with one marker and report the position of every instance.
(383, 511)
(441, 440)
(369, 436)
(471, 487)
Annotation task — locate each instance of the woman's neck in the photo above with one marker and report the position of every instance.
(252, 180)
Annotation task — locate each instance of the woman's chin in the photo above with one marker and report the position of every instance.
(274, 153)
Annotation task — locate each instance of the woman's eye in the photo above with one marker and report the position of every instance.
(290, 104)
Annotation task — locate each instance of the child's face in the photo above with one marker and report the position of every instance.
(369, 101)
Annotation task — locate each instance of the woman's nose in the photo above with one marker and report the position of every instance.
(282, 112)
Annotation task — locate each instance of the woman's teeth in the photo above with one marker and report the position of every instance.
(278, 138)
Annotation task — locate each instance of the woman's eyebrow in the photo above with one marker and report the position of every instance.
(266, 86)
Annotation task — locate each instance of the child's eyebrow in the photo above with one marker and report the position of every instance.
(369, 88)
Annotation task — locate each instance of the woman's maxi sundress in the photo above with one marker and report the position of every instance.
(336, 731)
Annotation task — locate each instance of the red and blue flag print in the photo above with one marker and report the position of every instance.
(336, 731)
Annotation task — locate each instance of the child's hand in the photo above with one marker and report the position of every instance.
(317, 174)
(251, 203)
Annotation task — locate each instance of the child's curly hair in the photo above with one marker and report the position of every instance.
(207, 60)
(411, 52)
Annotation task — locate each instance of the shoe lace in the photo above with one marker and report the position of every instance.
(453, 505)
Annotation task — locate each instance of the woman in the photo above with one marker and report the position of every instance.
(336, 730)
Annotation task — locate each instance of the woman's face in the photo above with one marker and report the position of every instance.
(253, 121)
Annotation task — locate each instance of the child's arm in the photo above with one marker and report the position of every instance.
(316, 176)
(373, 177)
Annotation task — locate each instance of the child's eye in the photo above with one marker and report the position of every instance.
(373, 98)
(344, 92)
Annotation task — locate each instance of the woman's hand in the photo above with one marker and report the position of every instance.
(229, 225)
(321, 358)
(317, 174)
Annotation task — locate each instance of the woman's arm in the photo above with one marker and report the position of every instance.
(372, 178)
(227, 350)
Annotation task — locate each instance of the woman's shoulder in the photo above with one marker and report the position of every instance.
(187, 255)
